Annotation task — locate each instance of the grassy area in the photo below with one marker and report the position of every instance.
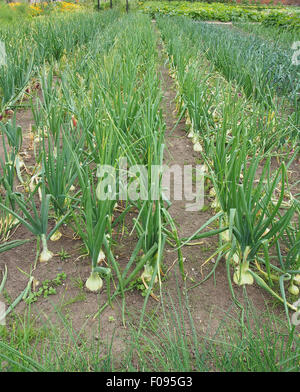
(168, 342)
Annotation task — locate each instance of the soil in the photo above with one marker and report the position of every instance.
(208, 302)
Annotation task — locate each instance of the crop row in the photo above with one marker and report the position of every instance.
(237, 138)
(87, 120)
(40, 41)
(263, 70)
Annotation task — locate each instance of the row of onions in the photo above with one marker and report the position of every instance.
(100, 106)
(239, 139)
(28, 47)
(30, 43)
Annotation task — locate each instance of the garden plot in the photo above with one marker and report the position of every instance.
(94, 257)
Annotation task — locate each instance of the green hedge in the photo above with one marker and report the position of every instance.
(287, 21)
(223, 12)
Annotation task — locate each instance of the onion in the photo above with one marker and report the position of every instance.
(37, 139)
(20, 161)
(45, 255)
(234, 258)
(56, 236)
(101, 257)
(94, 282)
(195, 139)
(242, 275)
(148, 273)
(296, 279)
(212, 192)
(294, 290)
(197, 147)
(191, 134)
(225, 236)
(215, 204)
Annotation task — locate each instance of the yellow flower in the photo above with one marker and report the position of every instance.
(14, 4)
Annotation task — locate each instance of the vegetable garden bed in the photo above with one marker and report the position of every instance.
(180, 93)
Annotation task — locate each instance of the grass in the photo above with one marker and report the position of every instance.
(169, 341)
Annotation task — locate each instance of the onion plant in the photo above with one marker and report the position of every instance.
(5, 246)
(14, 137)
(59, 173)
(35, 222)
(92, 224)
(279, 37)
(140, 126)
(7, 186)
(252, 213)
(7, 222)
(7, 163)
